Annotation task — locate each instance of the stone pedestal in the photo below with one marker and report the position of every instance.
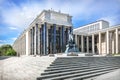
(51, 55)
(72, 54)
(89, 54)
(71, 48)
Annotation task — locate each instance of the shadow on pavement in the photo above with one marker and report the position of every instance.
(4, 57)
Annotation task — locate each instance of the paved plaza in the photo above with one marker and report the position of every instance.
(29, 68)
(23, 68)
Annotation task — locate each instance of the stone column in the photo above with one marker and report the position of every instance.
(113, 42)
(82, 44)
(107, 41)
(48, 40)
(40, 40)
(78, 43)
(66, 36)
(87, 44)
(31, 41)
(99, 43)
(36, 40)
(45, 38)
(51, 39)
(59, 39)
(54, 38)
(62, 38)
(116, 41)
(76, 39)
(93, 44)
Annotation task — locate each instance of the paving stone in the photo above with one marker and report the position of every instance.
(24, 67)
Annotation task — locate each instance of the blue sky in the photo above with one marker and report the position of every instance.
(16, 15)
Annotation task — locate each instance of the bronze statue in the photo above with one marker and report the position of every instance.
(71, 46)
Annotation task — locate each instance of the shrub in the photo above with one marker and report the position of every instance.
(10, 52)
(7, 50)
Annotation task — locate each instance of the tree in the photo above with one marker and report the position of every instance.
(10, 52)
(7, 50)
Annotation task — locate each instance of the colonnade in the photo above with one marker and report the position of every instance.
(48, 38)
(107, 44)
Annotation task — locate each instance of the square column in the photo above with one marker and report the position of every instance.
(47, 33)
(99, 43)
(36, 40)
(82, 44)
(113, 42)
(87, 44)
(26, 44)
(62, 38)
(54, 38)
(78, 43)
(51, 37)
(40, 40)
(93, 44)
(116, 41)
(107, 41)
(31, 41)
(45, 38)
(66, 36)
(76, 39)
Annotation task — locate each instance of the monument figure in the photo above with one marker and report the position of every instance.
(71, 47)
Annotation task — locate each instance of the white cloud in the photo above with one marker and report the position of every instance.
(12, 28)
(19, 17)
(8, 41)
(14, 38)
(113, 20)
(2, 41)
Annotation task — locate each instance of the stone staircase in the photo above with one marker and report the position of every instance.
(79, 68)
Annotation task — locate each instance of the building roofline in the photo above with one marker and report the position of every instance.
(101, 30)
(90, 24)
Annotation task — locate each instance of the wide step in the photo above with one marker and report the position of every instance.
(78, 68)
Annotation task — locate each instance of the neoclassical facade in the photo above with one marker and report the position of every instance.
(48, 34)
(98, 38)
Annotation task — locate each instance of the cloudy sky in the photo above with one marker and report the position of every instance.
(16, 15)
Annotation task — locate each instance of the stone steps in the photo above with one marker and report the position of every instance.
(79, 68)
(72, 69)
(59, 68)
(88, 76)
(70, 64)
(71, 74)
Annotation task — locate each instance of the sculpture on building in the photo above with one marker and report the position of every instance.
(71, 47)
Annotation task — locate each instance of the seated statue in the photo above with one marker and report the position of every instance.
(71, 46)
(70, 40)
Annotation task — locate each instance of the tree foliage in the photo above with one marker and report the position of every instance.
(7, 50)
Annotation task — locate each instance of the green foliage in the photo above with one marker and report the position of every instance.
(7, 50)
(11, 52)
